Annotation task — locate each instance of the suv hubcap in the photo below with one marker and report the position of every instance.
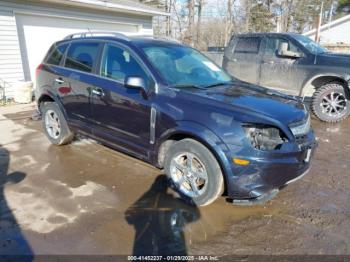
(189, 174)
(333, 104)
(52, 124)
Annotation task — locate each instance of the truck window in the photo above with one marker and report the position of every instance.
(273, 43)
(248, 45)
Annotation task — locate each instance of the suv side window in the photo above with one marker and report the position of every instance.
(56, 54)
(118, 63)
(81, 56)
(248, 45)
(273, 43)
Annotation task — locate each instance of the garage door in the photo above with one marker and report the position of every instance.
(37, 33)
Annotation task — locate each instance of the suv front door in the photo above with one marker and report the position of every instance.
(279, 72)
(121, 114)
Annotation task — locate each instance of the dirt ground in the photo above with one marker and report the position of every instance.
(85, 198)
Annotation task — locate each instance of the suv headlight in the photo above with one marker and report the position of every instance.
(264, 137)
(301, 128)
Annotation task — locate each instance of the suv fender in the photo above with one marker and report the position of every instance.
(309, 88)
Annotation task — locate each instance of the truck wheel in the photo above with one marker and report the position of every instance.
(330, 103)
(194, 172)
(55, 125)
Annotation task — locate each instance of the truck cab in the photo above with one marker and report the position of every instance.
(295, 65)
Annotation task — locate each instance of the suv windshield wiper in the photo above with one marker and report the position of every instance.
(219, 84)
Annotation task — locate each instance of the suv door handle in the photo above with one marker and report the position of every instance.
(98, 92)
(59, 80)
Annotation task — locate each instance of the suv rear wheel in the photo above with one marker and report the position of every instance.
(330, 103)
(55, 125)
(194, 172)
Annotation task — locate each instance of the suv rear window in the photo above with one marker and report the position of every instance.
(248, 45)
(56, 54)
(81, 56)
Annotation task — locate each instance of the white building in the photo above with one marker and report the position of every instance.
(335, 32)
(29, 27)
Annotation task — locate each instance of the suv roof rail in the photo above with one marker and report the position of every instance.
(96, 33)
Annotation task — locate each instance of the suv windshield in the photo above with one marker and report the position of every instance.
(184, 66)
(310, 45)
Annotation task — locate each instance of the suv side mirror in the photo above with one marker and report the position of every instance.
(284, 52)
(135, 82)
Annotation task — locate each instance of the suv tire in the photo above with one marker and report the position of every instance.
(199, 180)
(330, 103)
(55, 125)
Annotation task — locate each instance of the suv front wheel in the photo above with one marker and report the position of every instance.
(330, 103)
(55, 125)
(194, 172)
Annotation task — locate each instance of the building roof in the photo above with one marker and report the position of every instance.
(128, 6)
(332, 24)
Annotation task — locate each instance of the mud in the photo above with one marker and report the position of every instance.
(85, 198)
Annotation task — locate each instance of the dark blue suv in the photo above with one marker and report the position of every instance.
(171, 106)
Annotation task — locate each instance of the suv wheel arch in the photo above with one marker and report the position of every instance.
(44, 98)
(170, 139)
(48, 97)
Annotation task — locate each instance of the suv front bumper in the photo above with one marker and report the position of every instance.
(271, 171)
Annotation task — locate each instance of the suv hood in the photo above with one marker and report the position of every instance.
(258, 101)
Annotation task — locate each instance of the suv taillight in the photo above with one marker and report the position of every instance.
(38, 69)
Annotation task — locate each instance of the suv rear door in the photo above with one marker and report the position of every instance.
(52, 80)
(243, 58)
(77, 77)
(122, 114)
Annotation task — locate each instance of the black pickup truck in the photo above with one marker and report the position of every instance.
(296, 65)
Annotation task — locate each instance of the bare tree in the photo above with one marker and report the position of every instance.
(229, 21)
(248, 6)
(168, 8)
(199, 21)
(203, 23)
(178, 20)
(190, 27)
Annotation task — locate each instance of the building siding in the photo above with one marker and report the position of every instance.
(21, 6)
(11, 69)
(14, 62)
